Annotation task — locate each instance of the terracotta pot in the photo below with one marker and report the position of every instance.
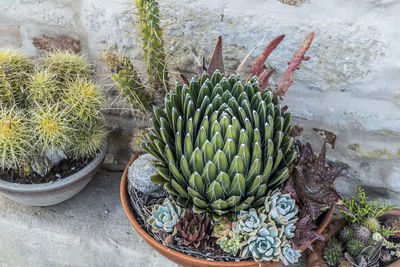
(180, 258)
(316, 259)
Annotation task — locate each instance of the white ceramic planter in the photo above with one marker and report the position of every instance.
(47, 194)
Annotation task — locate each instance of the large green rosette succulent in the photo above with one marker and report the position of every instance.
(221, 145)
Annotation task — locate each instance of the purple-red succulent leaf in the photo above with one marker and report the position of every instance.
(287, 77)
(257, 67)
(217, 60)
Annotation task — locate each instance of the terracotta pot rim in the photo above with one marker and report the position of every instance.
(171, 252)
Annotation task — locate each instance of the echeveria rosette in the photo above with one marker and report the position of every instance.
(289, 255)
(165, 217)
(265, 244)
(281, 208)
(220, 144)
(249, 221)
(289, 229)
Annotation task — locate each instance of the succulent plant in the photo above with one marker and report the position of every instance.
(281, 208)
(249, 221)
(192, 227)
(203, 140)
(372, 224)
(312, 182)
(393, 223)
(386, 257)
(304, 234)
(14, 71)
(368, 257)
(265, 244)
(43, 87)
(230, 244)
(153, 45)
(354, 247)
(346, 234)
(15, 138)
(165, 217)
(289, 255)
(66, 65)
(289, 229)
(223, 228)
(361, 233)
(333, 251)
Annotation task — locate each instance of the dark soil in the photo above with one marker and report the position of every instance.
(64, 169)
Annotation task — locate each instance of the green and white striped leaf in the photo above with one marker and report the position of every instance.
(254, 186)
(217, 141)
(219, 204)
(209, 173)
(230, 149)
(196, 183)
(214, 191)
(179, 189)
(185, 168)
(188, 147)
(225, 182)
(254, 171)
(237, 166)
(221, 161)
(196, 161)
(238, 186)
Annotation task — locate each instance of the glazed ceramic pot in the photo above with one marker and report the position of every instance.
(180, 258)
(51, 193)
(316, 259)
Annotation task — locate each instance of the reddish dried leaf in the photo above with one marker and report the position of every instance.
(287, 77)
(217, 60)
(264, 82)
(182, 78)
(257, 67)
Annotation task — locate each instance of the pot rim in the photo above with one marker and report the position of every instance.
(184, 257)
(64, 182)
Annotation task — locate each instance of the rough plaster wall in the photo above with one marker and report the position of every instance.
(350, 86)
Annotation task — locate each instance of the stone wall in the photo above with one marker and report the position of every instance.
(350, 89)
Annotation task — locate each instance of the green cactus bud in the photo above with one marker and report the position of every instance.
(372, 224)
(346, 234)
(333, 251)
(354, 247)
(361, 233)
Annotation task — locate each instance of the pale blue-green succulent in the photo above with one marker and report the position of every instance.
(231, 244)
(280, 208)
(166, 216)
(219, 144)
(289, 255)
(288, 229)
(249, 221)
(265, 244)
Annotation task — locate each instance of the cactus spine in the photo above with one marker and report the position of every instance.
(153, 45)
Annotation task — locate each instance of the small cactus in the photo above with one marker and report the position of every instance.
(88, 142)
(83, 100)
(333, 252)
(66, 65)
(372, 224)
(14, 71)
(15, 138)
(361, 233)
(354, 247)
(346, 234)
(43, 87)
(52, 129)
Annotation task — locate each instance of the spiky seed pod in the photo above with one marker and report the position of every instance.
(83, 100)
(361, 233)
(153, 45)
(43, 87)
(354, 247)
(66, 65)
(333, 252)
(346, 234)
(88, 142)
(15, 138)
(52, 128)
(220, 144)
(372, 224)
(14, 70)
